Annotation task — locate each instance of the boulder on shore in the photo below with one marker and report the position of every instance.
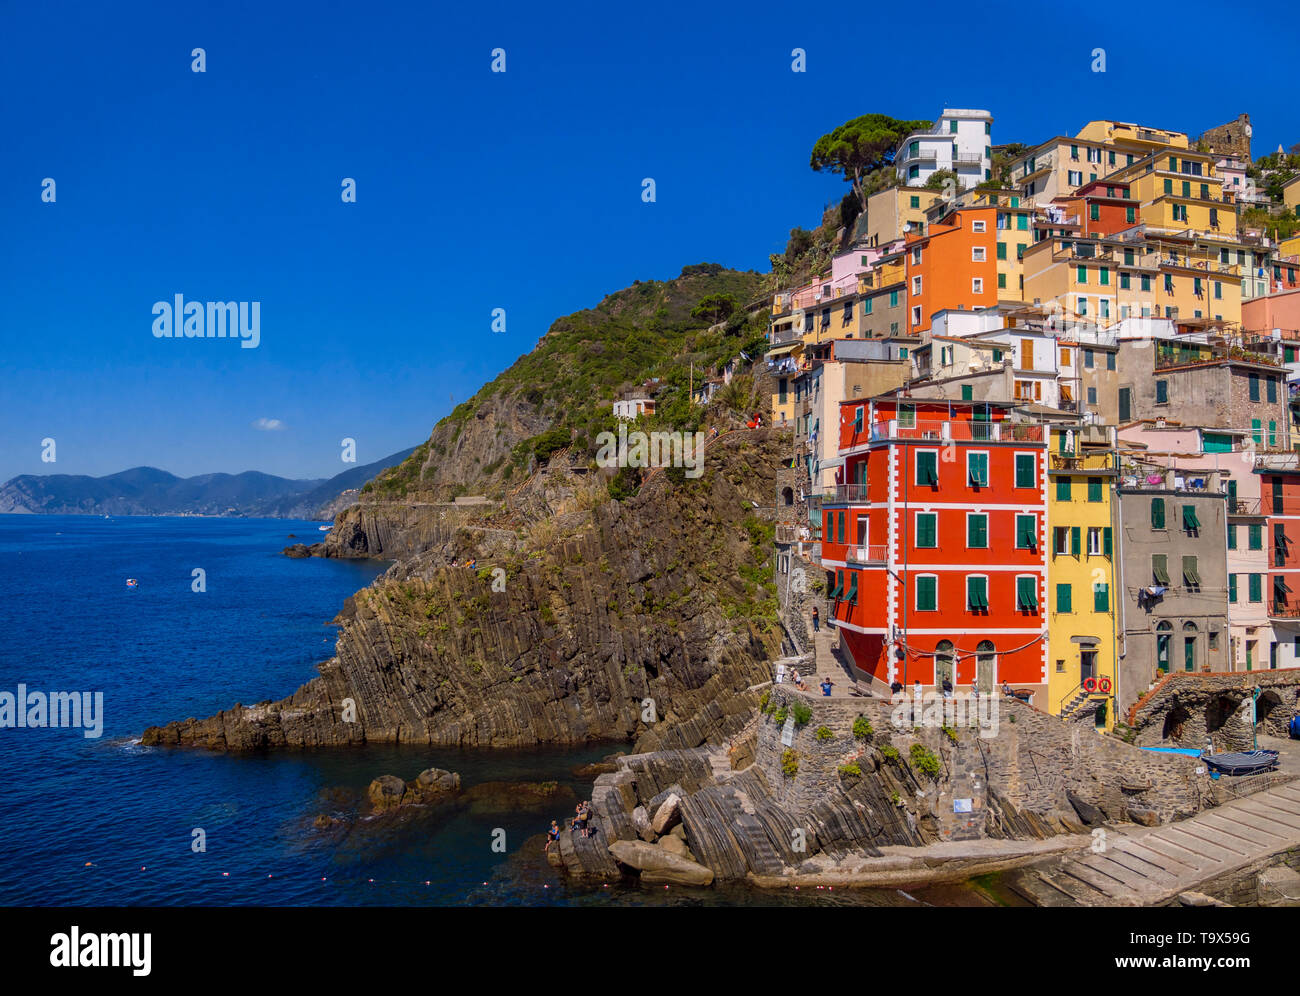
(668, 815)
(659, 865)
(386, 792)
(641, 823)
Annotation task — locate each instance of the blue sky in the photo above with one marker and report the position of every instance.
(475, 190)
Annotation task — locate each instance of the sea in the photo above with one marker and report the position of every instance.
(105, 821)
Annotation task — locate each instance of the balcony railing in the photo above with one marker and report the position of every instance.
(1192, 482)
(844, 493)
(1244, 506)
(981, 432)
(875, 553)
(1284, 610)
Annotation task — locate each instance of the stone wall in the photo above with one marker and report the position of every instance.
(1184, 709)
(1232, 138)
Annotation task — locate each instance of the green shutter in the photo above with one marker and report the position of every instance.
(1094, 489)
(1256, 589)
(1025, 470)
(1063, 603)
(839, 584)
(1026, 532)
(839, 528)
(853, 588)
(977, 593)
(1062, 489)
(1255, 536)
(1157, 513)
(1232, 588)
(927, 595)
(1232, 536)
(1190, 575)
(1160, 568)
(926, 530)
(967, 392)
(1190, 522)
(1075, 545)
(1027, 593)
(977, 465)
(1101, 598)
(977, 531)
(1106, 541)
(927, 469)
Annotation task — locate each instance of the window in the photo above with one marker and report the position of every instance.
(952, 126)
(1026, 532)
(866, 306)
(1074, 177)
(916, 315)
(1101, 598)
(1191, 524)
(1254, 387)
(1025, 475)
(1130, 215)
(1232, 588)
(1157, 513)
(977, 594)
(1105, 276)
(1094, 212)
(907, 416)
(977, 285)
(1075, 537)
(1094, 541)
(977, 530)
(1092, 396)
(967, 392)
(1002, 250)
(916, 286)
(1162, 392)
(927, 593)
(1027, 594)
(1094, 489)
(1110, 361)
(1160, 568)
(977, 469)
(1063, 598)
(1255, 536)
(1060, 541)
(893, 299)
(1255, 587)
(978, 227)
(839, 529)
(1190, 576)
(915, 201)
(1232, 536)
(927, 530)
(1088, 359)
(1082, 274)
(977, 254)
(927, 468)
(1271, 393)
(1002, 281)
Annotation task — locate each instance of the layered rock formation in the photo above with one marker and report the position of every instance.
(649, 619)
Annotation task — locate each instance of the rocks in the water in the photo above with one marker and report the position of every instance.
(505, 796)
(658, 865)
(297, 551)
(641, 823)
(386, 792)
(676, 845)
(594, 769)
(323, 822)
(668, 815)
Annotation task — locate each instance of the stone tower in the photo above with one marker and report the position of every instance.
(1231, 139)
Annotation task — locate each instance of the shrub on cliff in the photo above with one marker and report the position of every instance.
(925, 760)
(780, 716)
(801, 713)
(824, 733)
(850, 770)
(889, 752)
(862, 728)
(789, 763)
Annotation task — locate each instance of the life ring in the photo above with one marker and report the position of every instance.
(1104, 685)
(1089, 685)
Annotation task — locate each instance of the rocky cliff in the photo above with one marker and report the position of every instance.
(647, 619)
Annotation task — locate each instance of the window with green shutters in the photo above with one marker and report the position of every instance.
(838, 590)
(1101, 598)
(1083, 275)
(967, 392)
(977, 531)
(1026, 532)
(977, 469)
(1076, 545)
(1191, 524)
(1063, 598)
(1107, 542)
(1255, 587)
(1256, 427)
(1130, 215)
(1022, 223)
(977, 593)
(1002, 250)
(852, 595)
(1105, 276)
(1271, 384)
(1254, 387)
(1232, 588)
(1094, 212)
(1255, 536)
(857, 419)
(1160, 568)
(927, 468)
(1162, 392)
(927, 593)
(1027, 594)
(1094, 489)
(927, 530)
(1191, 578)
(1002, 281)
(1157, 513)
(1025, 476)
(1232, 536)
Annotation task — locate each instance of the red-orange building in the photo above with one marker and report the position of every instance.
(1101, 208)
(935, 544)
(952, 266)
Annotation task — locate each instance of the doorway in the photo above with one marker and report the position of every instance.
(985, 667)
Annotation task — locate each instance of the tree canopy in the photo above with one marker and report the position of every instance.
(858, 147)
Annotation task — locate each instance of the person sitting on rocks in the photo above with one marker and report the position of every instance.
(798, 680)
(552, 836)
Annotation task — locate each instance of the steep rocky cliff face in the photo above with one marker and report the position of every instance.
(647, 619)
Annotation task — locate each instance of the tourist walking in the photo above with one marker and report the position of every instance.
(817, 620)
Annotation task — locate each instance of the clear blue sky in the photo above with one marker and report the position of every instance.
(475, 190)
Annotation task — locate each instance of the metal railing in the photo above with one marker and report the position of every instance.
(982, 432)
(844, 493)
(875, 553)
(1283, 610)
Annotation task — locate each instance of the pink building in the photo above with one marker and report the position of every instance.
(1273, 311)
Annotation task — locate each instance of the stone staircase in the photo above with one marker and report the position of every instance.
(967, 782)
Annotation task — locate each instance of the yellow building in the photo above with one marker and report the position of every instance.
(890, 212)
(1291, 195)
(1180, 191)
(1081, 641)
(1063, 164)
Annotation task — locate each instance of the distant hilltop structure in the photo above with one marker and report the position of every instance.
(1231, 139)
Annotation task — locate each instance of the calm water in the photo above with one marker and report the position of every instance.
(159, 651)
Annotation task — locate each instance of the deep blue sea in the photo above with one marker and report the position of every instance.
(108, 822)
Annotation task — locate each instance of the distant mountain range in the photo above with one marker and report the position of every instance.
(150, 491)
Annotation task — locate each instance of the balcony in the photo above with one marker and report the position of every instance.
(1245, 506)
(1188, 482)
(876, 553)
(843, 493)
(1278, 609)
(979, 432)
(1170, 355)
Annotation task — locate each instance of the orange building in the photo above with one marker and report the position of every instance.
(935, 544)
(952, 266)
(1101, 209)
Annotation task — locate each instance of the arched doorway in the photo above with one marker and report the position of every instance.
(1164, 634)
(1189, 646)
(944, 663)
(787, 496)
(985, 667)
(1174, 720)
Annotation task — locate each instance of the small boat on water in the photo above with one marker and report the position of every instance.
(326, 529)
(132, 582)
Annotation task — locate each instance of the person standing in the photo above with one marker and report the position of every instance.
(817, 620)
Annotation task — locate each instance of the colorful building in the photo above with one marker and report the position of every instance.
(1280, 501)
(1082, 675)
(934, 544)
(960, 141)
(954, 265)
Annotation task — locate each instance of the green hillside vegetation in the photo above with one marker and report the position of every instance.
(588, 359)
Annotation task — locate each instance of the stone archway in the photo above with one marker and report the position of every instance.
(1174, 721)
(1270, 715)
(787, 496)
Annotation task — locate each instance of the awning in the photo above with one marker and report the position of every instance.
(788, 347)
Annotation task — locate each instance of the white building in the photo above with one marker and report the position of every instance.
(961, 141)
(630, 408)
